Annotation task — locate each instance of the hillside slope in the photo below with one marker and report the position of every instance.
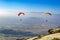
(48, 37)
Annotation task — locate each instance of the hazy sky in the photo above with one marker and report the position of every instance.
(12, 7)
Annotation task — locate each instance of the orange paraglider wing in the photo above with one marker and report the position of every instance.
(20, 13)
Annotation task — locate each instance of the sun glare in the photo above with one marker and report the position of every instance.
(3, 13)
(7, 13)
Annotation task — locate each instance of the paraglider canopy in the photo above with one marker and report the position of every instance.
(20, 13)
(44, 13)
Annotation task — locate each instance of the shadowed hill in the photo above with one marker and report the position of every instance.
(8, 32)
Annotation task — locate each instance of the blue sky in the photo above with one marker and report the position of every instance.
(30, 5)
(10, 8)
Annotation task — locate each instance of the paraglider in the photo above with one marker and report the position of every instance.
(20, 13)
(45, 13)
(46, 20)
